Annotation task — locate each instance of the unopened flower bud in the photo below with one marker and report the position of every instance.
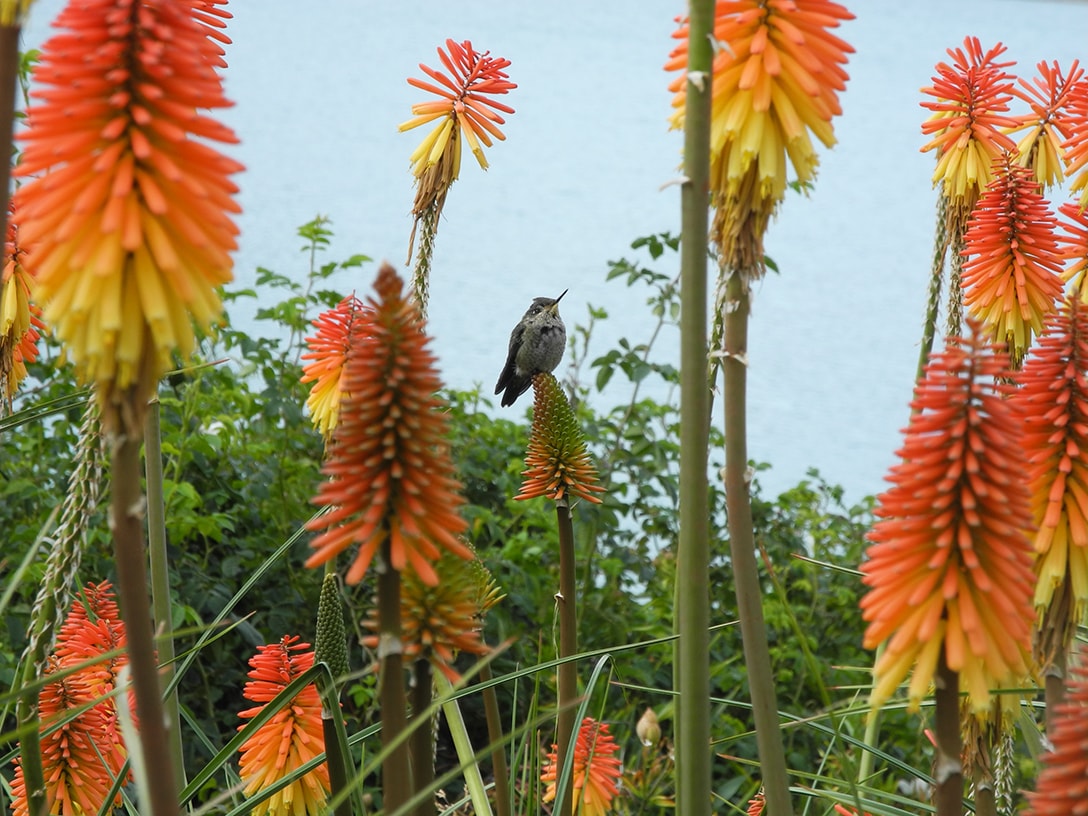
(648, 729)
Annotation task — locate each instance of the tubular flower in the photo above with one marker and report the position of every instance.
(1049, 123)
(1053, 400)
(1012, 275)
(438, 622)
(76, 780)
(83, 757)
(389, 470)
(1074, 244)
(776, 79)
(557, 463)
(595, 773)
(1076, 146)
(328, 350)
(757, 803)
(971, 97)
(465, 108)
(1062, 787)
(949, 567)
(127, 223)
(287, 741)
(20, 320)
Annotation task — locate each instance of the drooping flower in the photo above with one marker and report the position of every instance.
(287, 741)
(20, 320)
(1076, 146)
(1062, 787)
(441, 620)
(777, 73)
(1049, 124)
(1053, 400)
(1012, 275)
(595, 772)
(1073, 238)
(328, 351)
(557, 464)
(126, 216)
(971, 97)
(389, 470)
(949, 567)
(757, 803)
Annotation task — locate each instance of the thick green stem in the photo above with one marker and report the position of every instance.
(126, 524)
(742, 549)
(568, 644)
(691, 669)
(9, 81)
(396, 770)
(421, 742)
(160, 579)
(1054, 679)
(499, 767)
(948, 767)
(338, 777)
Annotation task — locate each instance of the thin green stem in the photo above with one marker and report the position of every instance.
(397, 770)
(160, 579)
(499, 767)
(568, 644)
(9, 81)
(126, 524)
(421, 742)
(757, 658)
(948, 768)
(691, 665)
(936, 277)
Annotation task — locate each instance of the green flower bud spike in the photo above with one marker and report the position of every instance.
(331, 643)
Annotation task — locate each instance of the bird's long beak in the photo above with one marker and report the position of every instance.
(555, 306)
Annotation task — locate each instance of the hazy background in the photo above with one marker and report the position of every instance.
(320, 89)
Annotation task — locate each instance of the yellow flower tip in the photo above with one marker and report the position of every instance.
(957, 507)
(290, 739)
(595, 772)
(21, 325)
(128, 233)
(557, 464)
(390, 475)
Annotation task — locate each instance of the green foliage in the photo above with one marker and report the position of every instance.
(242, 463)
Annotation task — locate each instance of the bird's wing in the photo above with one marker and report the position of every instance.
(511, 358)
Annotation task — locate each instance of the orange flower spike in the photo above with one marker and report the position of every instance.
(1053, 399)
(1062, 786)
(328, 351)
(1052, 99)
(1012, 277)
(389, 470)
(1076, 146)
(465, 102)
(290, 739)
(596, 770)
(128, 219)
(20, 320)
(1073, 239)
(76, 780)
(949, 566)
(972, 95)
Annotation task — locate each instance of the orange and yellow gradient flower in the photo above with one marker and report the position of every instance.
(595, 773)
(126, 216)
(949, 567)
(1062, 786)
(390, 475)
(777, 74)
(1012, 272)
(20, 320)
(465, 108)
(328, 352)
(1052, 99)
(1053, 400)
(1076, 146)
(287, 741)
(971, 100)
(1073, 238)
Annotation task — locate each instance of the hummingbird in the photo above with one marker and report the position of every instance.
(536, 344)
